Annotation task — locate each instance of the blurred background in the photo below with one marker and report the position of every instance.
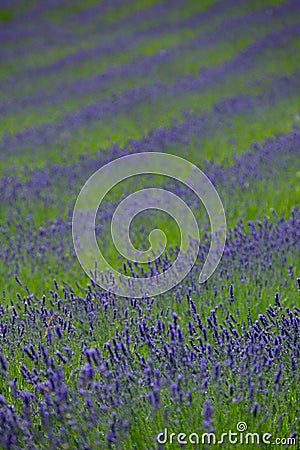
(82, 83)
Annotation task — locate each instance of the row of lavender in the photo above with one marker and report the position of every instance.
(120, 35)
(148, 66)
(24, 240)
(82, 367)
(56, 133)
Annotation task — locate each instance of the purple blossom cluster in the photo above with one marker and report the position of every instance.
(80, 365)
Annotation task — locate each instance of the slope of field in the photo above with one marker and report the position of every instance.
(81, 84)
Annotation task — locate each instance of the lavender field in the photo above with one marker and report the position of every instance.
(202, 365)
